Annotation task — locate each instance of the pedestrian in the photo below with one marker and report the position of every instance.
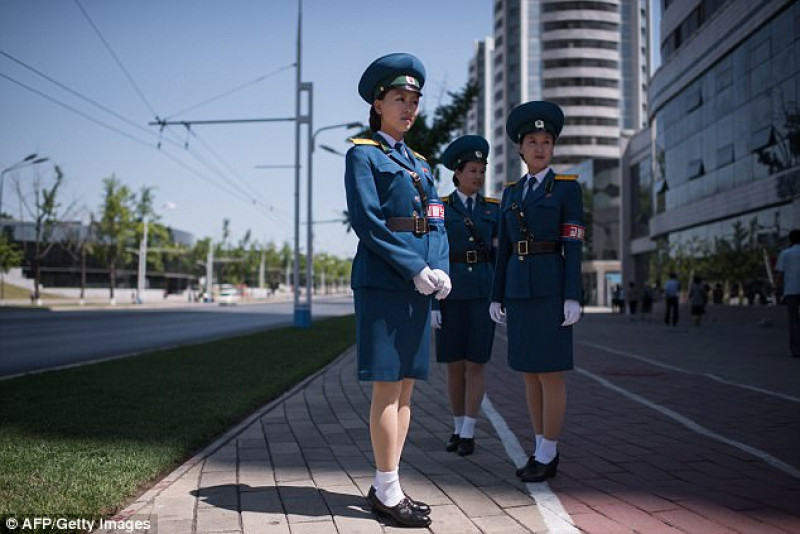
(465, 332)
(537, 282)
(788, 285)
(633, 298)
(697, 299)
(672, 289)
(401, 261)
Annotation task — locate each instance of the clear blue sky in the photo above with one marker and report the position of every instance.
(180, 53)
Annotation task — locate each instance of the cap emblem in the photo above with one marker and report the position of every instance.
(539, 124)
(478, 154)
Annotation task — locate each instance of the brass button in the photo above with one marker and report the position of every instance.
(471, 239)
(469, 269)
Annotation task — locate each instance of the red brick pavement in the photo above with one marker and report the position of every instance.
(628, 468)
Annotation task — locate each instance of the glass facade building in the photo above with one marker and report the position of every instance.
(724, 140)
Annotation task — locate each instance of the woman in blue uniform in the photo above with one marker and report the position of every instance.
(464, 341)
(400, 263)
(537, 283)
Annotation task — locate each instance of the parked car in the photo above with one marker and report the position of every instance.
(228, 295)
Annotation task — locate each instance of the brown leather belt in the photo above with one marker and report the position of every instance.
(526, 248)
(415, 225)
(470, 256)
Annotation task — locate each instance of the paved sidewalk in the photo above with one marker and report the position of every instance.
(668, 430)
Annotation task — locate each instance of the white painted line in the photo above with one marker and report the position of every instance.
(783, 396)
(553, 513)
(691, 425)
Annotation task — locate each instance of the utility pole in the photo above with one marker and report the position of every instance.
(302, 313)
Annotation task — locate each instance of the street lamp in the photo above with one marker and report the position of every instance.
(28, 160)
(304, 314)
(140, 279)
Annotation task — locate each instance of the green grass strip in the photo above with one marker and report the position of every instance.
(84, 441)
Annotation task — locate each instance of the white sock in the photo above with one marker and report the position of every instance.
(539, 438)
(468, 428)
(387, 487)
(458, 421)
(546, 451)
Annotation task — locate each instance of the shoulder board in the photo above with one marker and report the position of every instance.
(361, 141)
(418, 155)
(492, 200)
(445, 198)
(511, 184)
(565, 177)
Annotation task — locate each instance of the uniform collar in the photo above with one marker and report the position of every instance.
(389, 139)
(539, 176)
(463, 198)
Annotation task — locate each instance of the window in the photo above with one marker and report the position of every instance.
(581, 25)
(579, 43)
(695, 169)
(694, 99)
(725, 155)
(580, 82)
(762, 138)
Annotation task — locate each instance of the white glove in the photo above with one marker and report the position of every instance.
(572, 312)
(436, 319)
(496, 313)
(444, 286)
(425, 281)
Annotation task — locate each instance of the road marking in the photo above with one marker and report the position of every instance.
(691, 425)
(553, 513)
(685, 371)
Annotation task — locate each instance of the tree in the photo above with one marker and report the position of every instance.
(46, 218)
(10, 257)
(79, 243)
(115, 228)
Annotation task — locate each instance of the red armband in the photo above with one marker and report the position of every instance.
(573, 232)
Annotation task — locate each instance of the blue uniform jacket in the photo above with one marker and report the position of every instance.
(471, 281)
(378, 188)
(554, 213)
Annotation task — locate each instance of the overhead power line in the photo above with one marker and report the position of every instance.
(267, 210)
(231, 91)
(116, 58)
(247, 194)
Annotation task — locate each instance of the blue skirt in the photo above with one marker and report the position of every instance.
(392, 334)
(537, 343)
(467, 331)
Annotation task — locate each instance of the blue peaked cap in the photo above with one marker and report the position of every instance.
(392, 71)
(465, 148)
(532, 117)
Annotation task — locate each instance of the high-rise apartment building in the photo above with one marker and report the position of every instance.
(479, 119)
(590, 57)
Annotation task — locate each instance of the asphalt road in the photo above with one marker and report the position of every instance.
(36, 340)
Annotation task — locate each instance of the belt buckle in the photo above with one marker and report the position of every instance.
(472, 256)
(522, 248)
(420, 226)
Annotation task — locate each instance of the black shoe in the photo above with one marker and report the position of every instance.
(452, 443)
(466, 446)
(419, 506)
(539, 471)
(528, 464)
(401, 514)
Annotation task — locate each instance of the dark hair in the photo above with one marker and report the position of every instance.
(794, 236)
(374, 118)
(460, 168)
